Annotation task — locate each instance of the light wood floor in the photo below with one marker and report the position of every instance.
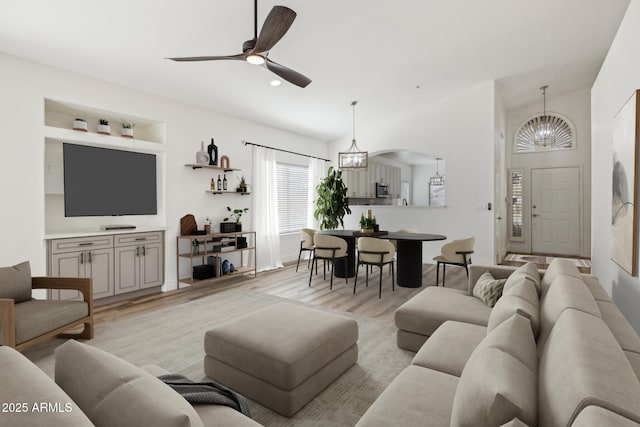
(287, 283)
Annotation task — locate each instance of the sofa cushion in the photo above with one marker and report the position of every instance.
(498, 382)
(514, 423)
(521, 296)
(596, 288)
(113, 392)
(558, 267)
(634, 359)
(450, 346)
(566, 292)
(37, 317)
(581, 365)
(595, 416)
(413, 397)
(488, 289)
(15, 282)
(429, 309)
(620, 327)
(528, 271)
(24, 383)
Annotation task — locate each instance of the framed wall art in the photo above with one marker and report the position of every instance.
(624, 206)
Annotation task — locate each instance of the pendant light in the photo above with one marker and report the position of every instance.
(353, 158)
(544, 135)
(437, 179)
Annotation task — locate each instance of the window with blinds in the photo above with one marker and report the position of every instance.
(517, 198)
(292, 196)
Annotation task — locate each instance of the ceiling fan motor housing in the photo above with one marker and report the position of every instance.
(248, 45)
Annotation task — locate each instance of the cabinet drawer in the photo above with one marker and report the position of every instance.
(137, 238)
(81, 243)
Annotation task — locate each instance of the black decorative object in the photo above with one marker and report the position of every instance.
(213, 153)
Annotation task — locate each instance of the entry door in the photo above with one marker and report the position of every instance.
(555, 211)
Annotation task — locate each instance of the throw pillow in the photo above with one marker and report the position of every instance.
(15, 282)
(488, 289)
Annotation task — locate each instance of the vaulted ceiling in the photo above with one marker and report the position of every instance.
(391, 56)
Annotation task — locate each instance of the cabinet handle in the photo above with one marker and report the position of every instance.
(139, 239)
(82, 258)
(85, 244)
(89, 256)
(144, 251)
(138, 251)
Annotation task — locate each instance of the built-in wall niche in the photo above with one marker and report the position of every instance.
(149, 137)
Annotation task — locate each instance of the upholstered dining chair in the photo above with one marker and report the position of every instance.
(330, 248)
(457, 252)
(306, 244)
(375, 252)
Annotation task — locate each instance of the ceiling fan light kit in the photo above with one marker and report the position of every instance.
(353, 158)
(256, 50)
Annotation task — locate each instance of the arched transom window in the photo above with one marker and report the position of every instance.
(544, 132)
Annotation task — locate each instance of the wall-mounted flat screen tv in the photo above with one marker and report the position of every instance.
(107, 182)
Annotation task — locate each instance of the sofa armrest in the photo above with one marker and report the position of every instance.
(497, 271)
(82, 284)
(7, 322)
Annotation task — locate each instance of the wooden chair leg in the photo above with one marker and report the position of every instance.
(444, 271)
(299, 255)
(313, 261)
(333, 262)
(380, 288)
(437, 273)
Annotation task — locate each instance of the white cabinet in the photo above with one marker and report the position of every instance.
(138, 261)
(117, 263)
(362, 183)
(83, 257)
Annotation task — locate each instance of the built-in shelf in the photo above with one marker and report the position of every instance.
(198, 166)
(56, 134)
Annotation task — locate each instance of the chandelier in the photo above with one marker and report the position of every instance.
(353, 158)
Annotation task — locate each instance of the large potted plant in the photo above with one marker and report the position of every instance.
(332, 203)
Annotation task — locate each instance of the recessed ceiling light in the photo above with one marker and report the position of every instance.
(275, 82)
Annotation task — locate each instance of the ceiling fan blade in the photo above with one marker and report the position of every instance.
(288, 74)
(275, 26)
(208, 58)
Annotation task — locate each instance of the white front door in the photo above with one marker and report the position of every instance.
(555, 211)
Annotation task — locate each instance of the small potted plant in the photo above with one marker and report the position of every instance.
(127, 130)
(235, 215)
(79, 124)
(367, 224)
(242, 187)
(103, 127)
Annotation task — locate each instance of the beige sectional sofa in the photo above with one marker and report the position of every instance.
(553, 351)
(93, 387)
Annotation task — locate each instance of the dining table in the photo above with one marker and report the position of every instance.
(409, 257)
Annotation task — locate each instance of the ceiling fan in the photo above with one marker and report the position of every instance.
(256, 50)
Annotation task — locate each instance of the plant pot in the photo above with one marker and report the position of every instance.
(238, 227)
(127, 132)
(104, 129)
(366, 230)
(80, 125)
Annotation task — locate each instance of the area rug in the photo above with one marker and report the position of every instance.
(173, 339)
(542, 260)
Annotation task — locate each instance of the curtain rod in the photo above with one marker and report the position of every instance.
(284, 151)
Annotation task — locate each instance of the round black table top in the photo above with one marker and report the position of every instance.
(390, 235)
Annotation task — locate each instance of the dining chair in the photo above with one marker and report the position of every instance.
(457, 252)
(375, 252)
(306, 244)
(329, 248)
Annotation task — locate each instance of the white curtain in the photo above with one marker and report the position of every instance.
(317, 171)
(265, 209)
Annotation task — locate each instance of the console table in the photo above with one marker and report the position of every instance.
(202, 246)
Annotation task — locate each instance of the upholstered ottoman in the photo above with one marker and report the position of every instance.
(281, 356)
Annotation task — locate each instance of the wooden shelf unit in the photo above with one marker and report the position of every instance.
(215, 244)
(199, 166)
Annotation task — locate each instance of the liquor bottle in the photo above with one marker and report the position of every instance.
(224, 182)
(219, 183)
(213, 184)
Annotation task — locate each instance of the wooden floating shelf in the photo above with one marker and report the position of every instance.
(242, 193)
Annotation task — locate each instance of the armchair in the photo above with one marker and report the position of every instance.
(457, 252)
(25, 321)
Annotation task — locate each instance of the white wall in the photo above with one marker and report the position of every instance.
(458, 129)
(25, 84)
(575, 106)
(619, 77)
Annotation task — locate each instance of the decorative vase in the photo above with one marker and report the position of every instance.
(79, 124)
(202, 158)
(213, 153)
(127, 132)
(366, 230)
(104, 129)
